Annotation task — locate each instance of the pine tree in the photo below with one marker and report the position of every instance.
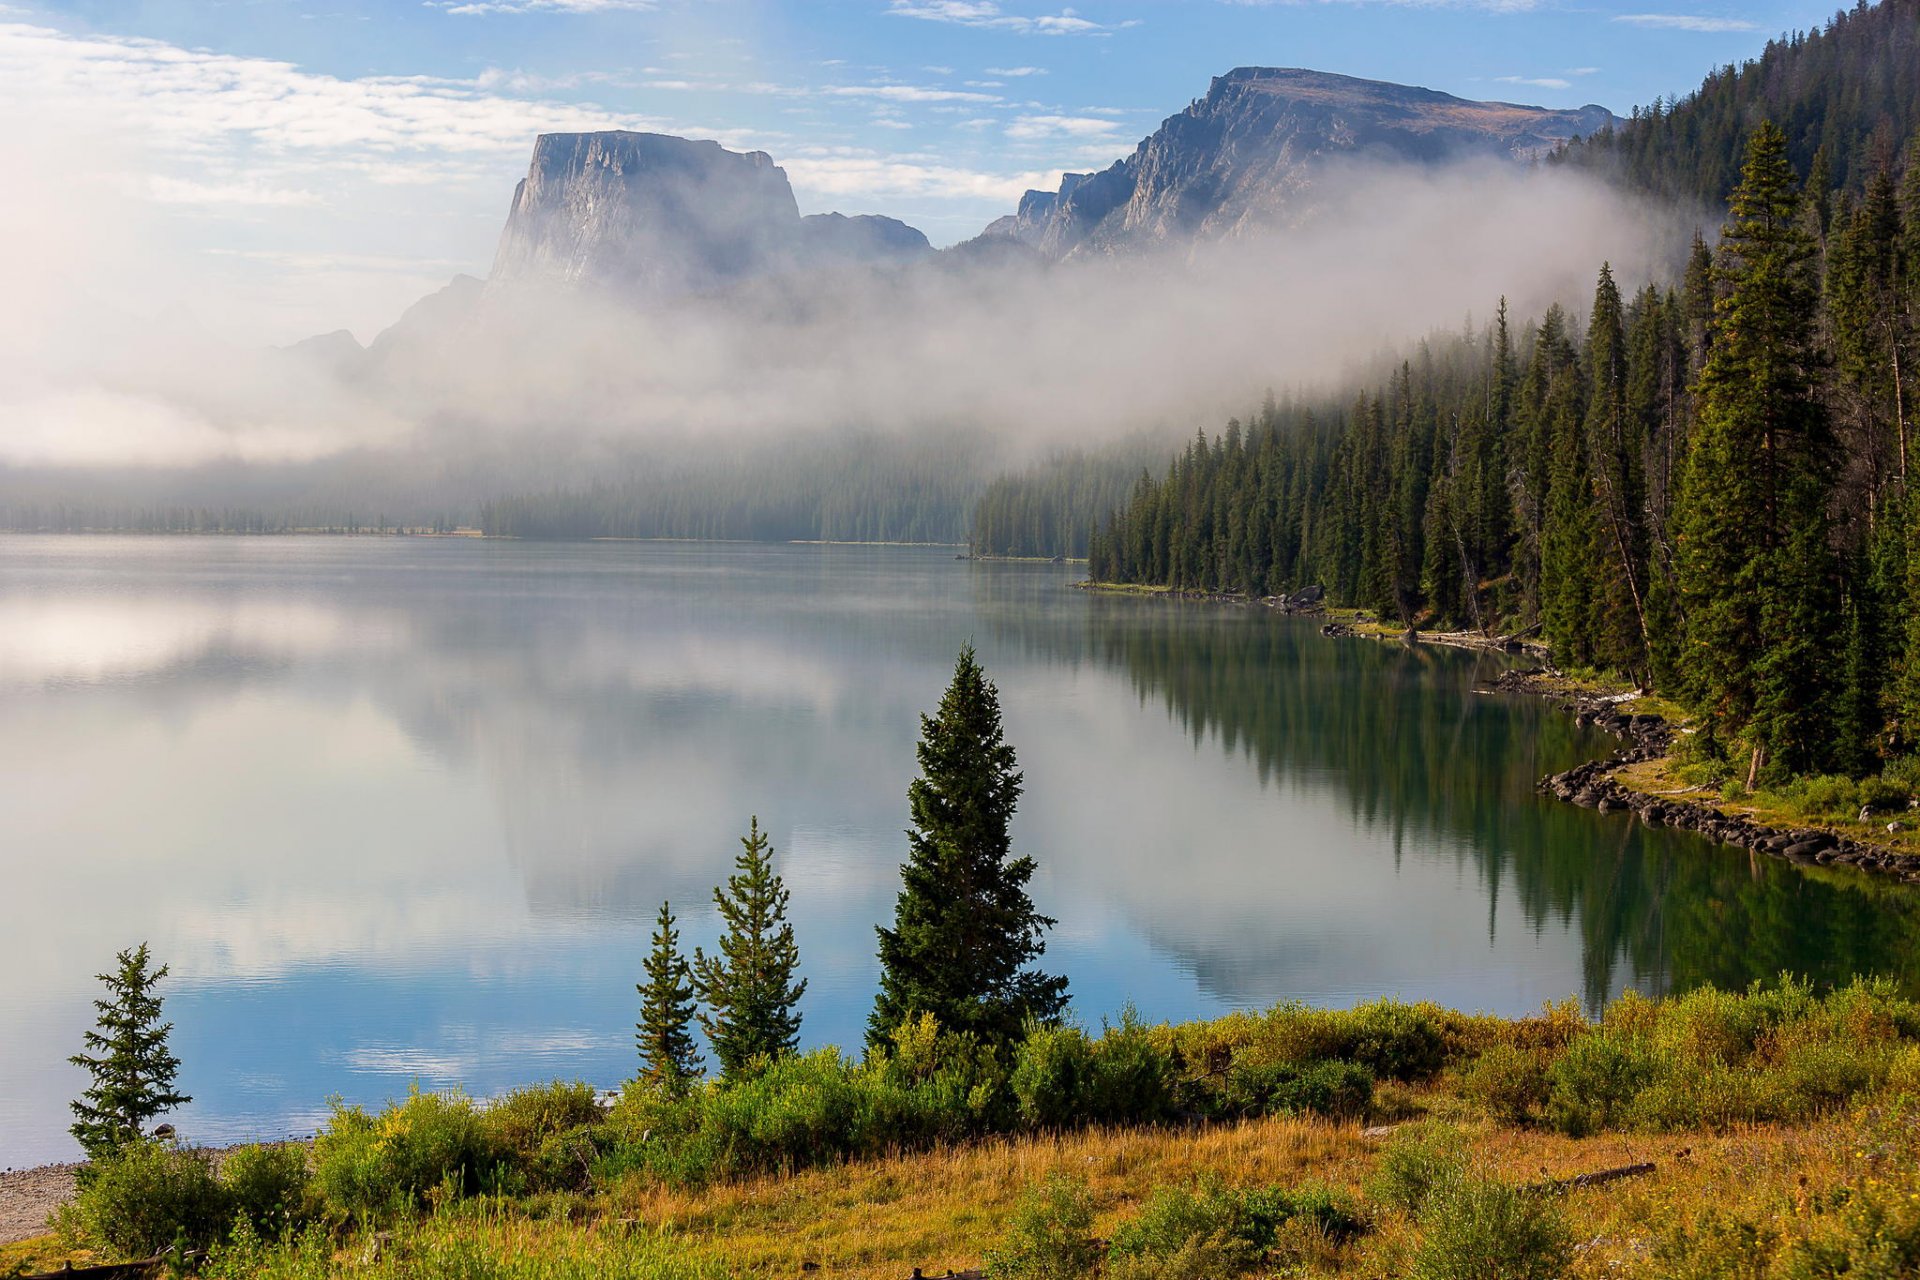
(1754, 564)
(964, 928)
(664, 1035)
(133, 1071)
(749, 988)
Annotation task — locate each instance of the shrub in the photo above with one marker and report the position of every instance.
(1395, 1041)
(1132, 1078)
(800, 1110)
(145, 1197)
(936, 1085)
(1594, 1081)
(1509, 1082)
(1482, 1230)
(520, 1123)
(367, 1167)
(1207, 1230)
(1418, 1158)
(1719, 1246)
(1049, 1236)
(1203, 1224)
(1876, 1235)
(1052, 1072)
(1338, 1089)
(267, 1185)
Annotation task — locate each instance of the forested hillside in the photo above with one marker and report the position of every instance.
(1044, 512)
(1706, 489)
(1845, 96)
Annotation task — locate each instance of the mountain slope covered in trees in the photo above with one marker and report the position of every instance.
(1845, 95)
(1706, 489)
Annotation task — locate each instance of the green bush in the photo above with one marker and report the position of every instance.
(1191, 1223)
(267, 1185)
(936, 1085)
(432, 1145)
(1876, 1236)
(1417, 1159)
(1132, 1078)
(1049, 1236)
(1395, 1041)
(1052, 1074)
(1474, 1229)
(521, 1123)
(1594, 1081)
(1339, 1089)
(1206, 1230)
(1509, 1082)
(146, 1197)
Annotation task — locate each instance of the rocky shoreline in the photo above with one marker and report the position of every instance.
(1593, 786)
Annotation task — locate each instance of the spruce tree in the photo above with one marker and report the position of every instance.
(664, 1035)
(133, 1071)
(1754, 560)
(749, 988)
(964, 928)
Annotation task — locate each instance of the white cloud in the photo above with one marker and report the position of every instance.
(473, 8)
(988, 14)
(1687, 22)
(1014, 73)
(902, 93)
(193, 101)
(1536, 82)
(1028, 128)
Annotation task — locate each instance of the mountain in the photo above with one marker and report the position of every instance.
(646, 215)
(1243, 157)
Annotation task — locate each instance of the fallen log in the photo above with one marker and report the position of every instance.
(140, 1270)
(949, 1274)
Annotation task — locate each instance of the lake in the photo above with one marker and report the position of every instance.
(402, 810)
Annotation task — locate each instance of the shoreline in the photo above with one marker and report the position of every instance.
(1596, 784)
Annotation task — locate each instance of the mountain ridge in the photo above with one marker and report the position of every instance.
(1240, 158)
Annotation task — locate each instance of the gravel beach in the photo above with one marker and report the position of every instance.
(27, 1196)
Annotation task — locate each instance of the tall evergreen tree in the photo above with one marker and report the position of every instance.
(1754, 564)
(1617, 461)
(749, 988)
(133, 1071)
(964, 928)
(668, 1056)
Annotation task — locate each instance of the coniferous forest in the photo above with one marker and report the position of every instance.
(1701, 485)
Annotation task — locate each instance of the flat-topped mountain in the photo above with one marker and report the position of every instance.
(1242, 157)
(650, 215)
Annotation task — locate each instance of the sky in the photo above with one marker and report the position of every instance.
(271, 169)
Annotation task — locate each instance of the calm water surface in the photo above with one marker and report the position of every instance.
(403, 810)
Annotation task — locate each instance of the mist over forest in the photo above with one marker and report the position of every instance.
(866, 400)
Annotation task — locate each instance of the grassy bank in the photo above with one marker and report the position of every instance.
(1384, 1141)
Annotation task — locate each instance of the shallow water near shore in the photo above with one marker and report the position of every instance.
(403, 809)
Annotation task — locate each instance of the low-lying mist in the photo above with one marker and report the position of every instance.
(516, 390)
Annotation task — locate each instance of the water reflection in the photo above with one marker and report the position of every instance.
(404, 809)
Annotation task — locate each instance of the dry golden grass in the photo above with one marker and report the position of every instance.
(878, 1220)
(945, 1209)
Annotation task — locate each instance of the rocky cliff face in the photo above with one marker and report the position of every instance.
(1243, 157)
(648, 215)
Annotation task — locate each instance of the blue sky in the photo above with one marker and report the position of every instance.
(318, 163)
